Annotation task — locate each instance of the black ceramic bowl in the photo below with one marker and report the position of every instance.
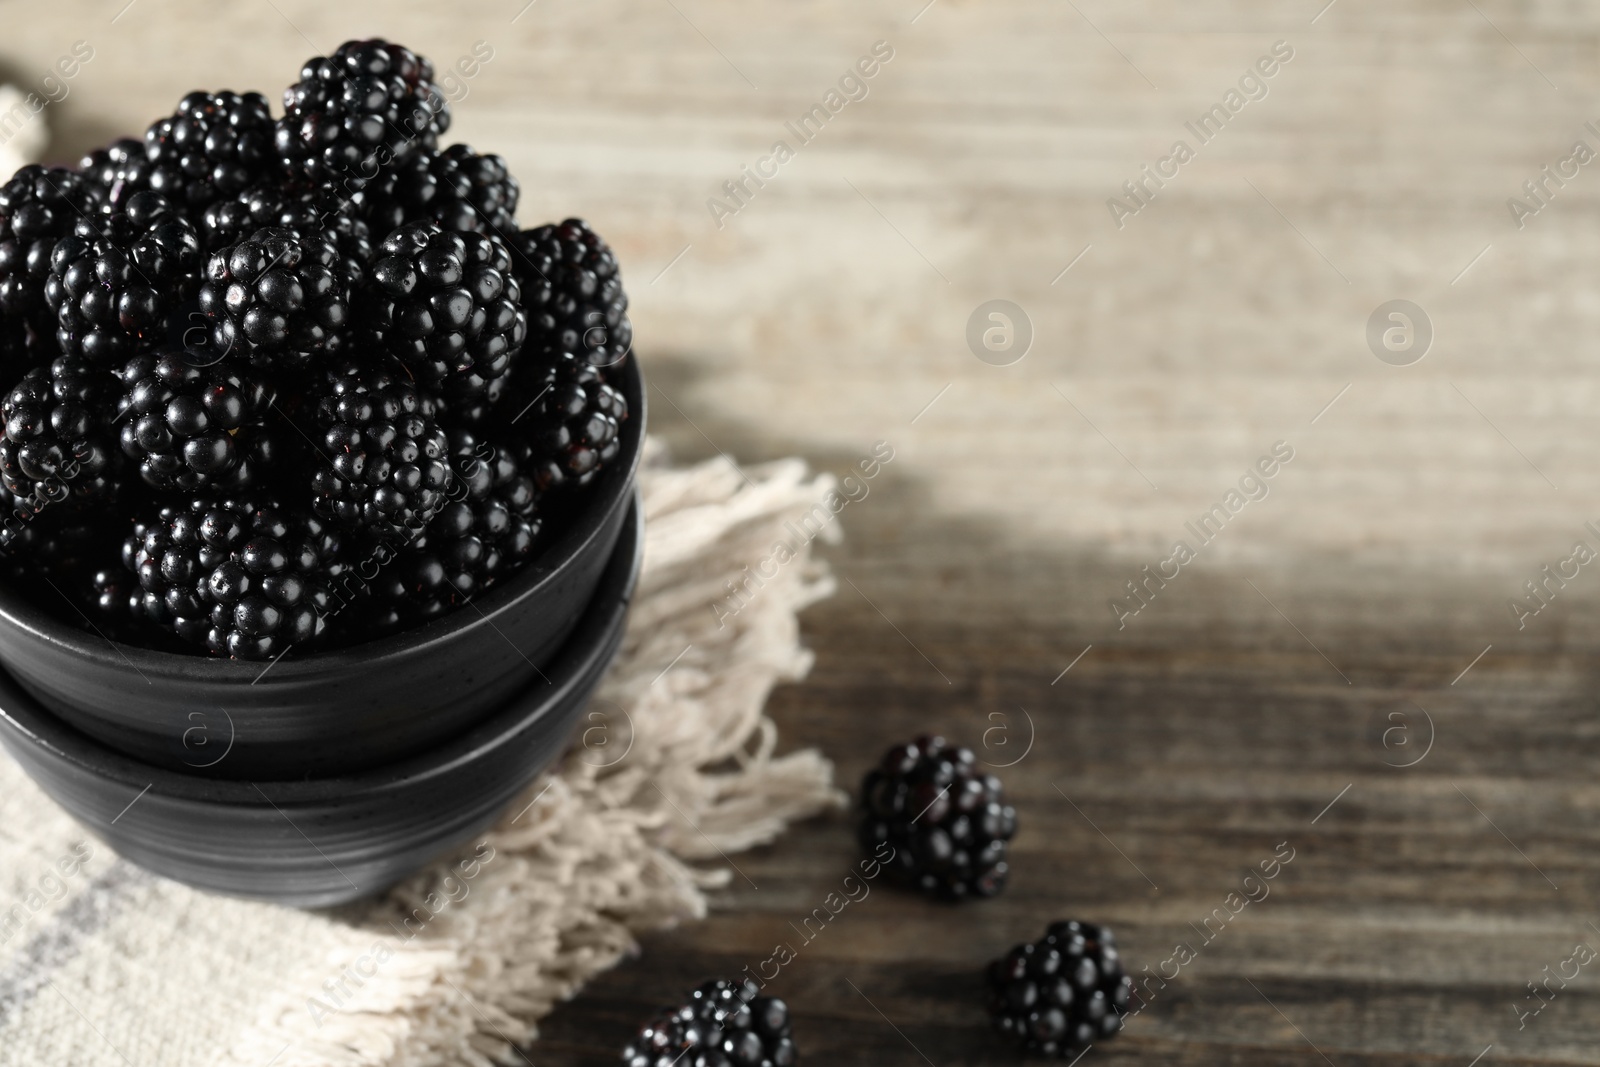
(329, 712)
(323, 842)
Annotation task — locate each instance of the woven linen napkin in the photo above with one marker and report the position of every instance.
(672, 766)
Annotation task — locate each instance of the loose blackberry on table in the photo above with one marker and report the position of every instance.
(116, 277)
(946, 820)
(447, 306)
(572, 287)
(1060, 994)
(724, 1024)
(190, 427)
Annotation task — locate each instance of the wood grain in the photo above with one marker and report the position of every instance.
(1223, 317)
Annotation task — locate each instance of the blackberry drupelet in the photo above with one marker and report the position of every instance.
(386, 459)
(240, 578)
(725, 1024)
(948, 822)
(38, 207)
(58, 441)
(485, 530)
(118, 170)
(278, 296)
(1060, 994)
(117, 595)
(446, 305)
(569, 425)
(190, 427)
(116, 277)
(572, 289)
(353, 114)
(456, 189)
(215, 145)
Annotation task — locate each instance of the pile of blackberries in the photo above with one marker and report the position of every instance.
(248, 356)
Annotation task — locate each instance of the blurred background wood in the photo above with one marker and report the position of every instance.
(1227, 314)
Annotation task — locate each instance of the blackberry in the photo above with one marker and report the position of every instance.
(38, 207)
(486, 530)
(118, 170)
(387, 460)
(279, 294)
(191, 427)
(352, 114)
(725, 1024)
(58, 437)
(214, 145)
(447, 305)
(1060, 994)
(947, 822)
(116, 277)
(456, 189)
(572, 288)
(571, 427)
(227, 222)
(239, 578)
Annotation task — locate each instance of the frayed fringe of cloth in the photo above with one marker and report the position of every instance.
(674, 767)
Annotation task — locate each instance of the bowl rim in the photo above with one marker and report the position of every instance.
(611, 491)
(590, 648)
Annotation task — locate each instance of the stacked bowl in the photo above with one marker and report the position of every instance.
(325, 777)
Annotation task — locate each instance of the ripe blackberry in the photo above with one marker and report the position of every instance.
(572, 288)
(190, 427)
(447, 305)
(38, 207)
(116, 277)
(227, 222)
(1060, 994)
(118, 170)
(948, 823)
(725, 1024)
(387, 460)
(239, 578)
(486, 530)
(571, 425)
(352, 114)
(456, 189)
(279, 295)
(58, 437)
(215, 145)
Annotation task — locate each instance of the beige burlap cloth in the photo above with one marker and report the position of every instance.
(673, 767)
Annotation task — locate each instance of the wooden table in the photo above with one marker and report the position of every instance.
(1354, 620)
